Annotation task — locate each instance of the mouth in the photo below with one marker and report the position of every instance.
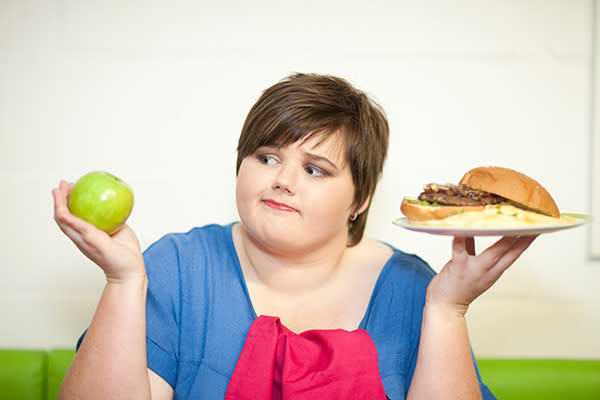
(278, 206)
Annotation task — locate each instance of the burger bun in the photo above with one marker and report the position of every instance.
(514, 186)
(415, 211)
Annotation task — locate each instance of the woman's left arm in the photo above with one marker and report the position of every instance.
(444, 368)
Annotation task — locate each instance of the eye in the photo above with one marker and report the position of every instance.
(314, 171)
(266, 159)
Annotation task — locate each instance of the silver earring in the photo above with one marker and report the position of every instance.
(354, 216)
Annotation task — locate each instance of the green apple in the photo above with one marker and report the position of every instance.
(102, 199)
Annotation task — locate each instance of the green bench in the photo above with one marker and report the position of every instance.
(547, 379)
(37, 375)
(32, 374)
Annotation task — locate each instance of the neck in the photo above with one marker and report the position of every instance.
(288, 271)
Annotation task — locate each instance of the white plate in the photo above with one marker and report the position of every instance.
(580, 219)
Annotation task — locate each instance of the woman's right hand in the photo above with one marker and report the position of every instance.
(119, 255)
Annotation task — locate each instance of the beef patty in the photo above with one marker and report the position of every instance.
(457, 195)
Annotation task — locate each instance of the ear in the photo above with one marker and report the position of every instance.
(364, 205)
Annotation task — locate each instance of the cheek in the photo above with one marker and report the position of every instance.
(334, 202)
(243, 186)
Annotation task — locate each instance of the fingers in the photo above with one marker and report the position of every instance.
(513, 251)
(459, 246)
(506, 246)
(119, 256)
(466, 276)
(462, 247)
(60, 195)
(82, 233)
(498, 256)
(63, 189)
(470, 245)
(501, 255)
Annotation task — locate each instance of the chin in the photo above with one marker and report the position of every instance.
(276, 237)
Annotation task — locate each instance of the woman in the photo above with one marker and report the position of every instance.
(291, 302)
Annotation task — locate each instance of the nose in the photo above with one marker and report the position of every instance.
(285, 179)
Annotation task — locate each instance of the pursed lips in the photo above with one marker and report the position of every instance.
(278, 206)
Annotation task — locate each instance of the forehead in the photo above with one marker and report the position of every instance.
(330, 145)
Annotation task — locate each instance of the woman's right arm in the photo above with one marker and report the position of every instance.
(111, 361)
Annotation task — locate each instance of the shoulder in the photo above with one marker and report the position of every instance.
(393, 265)
(402, 264)
(404, 278)
(206, 239)
(206, 235)
(206, 245)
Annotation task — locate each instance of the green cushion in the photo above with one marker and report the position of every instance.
(58, 364)
(22, 374)
(546, 379)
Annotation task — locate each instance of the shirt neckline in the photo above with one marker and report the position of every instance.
(240, 273)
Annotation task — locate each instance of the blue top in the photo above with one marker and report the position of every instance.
(199, 312)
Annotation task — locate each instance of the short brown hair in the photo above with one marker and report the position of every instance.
(303, 105)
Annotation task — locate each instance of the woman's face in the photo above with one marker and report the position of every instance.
(298, 197)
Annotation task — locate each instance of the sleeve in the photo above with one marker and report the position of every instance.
(163, 312)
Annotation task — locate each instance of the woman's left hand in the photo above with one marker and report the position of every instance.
(466, 275)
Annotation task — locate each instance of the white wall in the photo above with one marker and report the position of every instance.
(156, 92)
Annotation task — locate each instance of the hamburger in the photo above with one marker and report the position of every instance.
(484, 197)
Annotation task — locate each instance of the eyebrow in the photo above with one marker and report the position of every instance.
(315, 157)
